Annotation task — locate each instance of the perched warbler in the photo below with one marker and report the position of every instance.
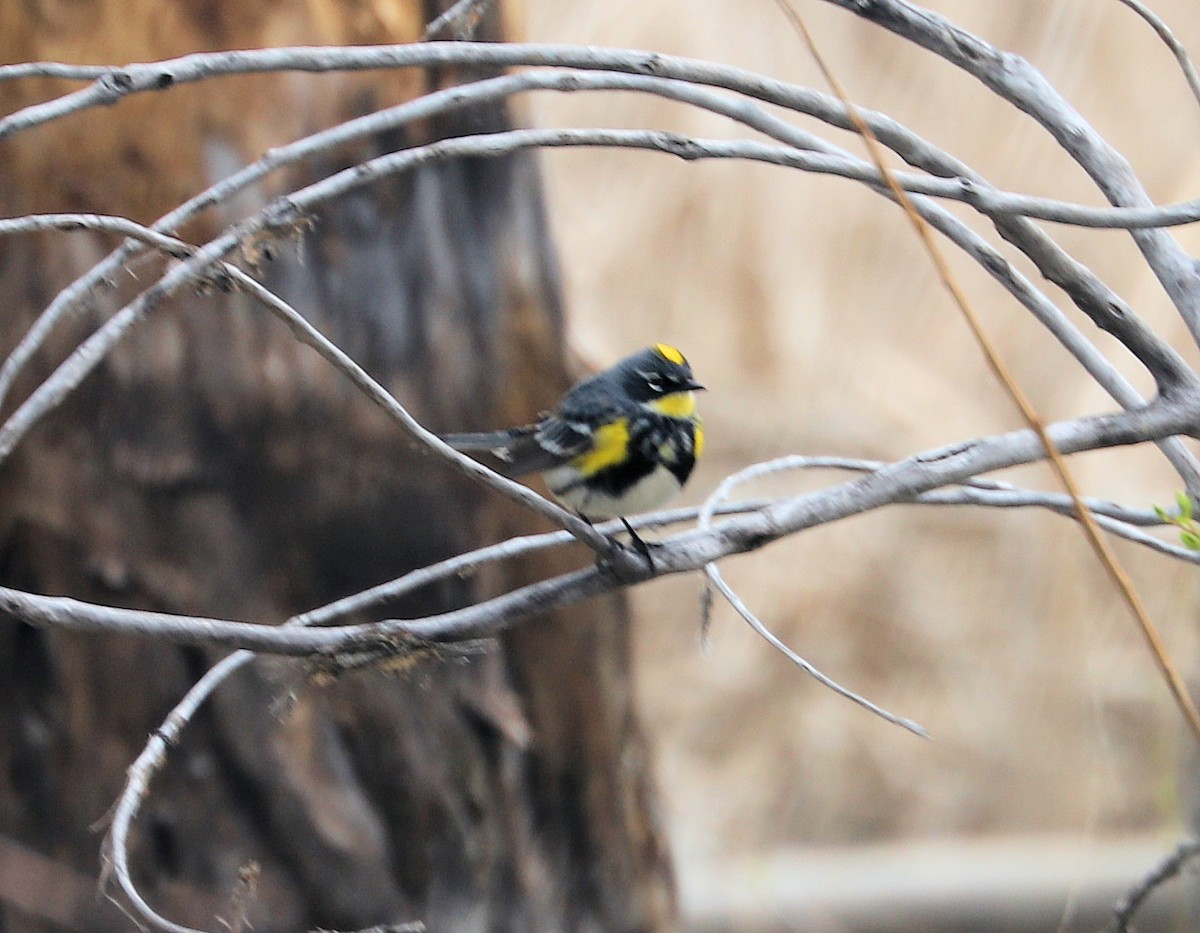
(621, 442)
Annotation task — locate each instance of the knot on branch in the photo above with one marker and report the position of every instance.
(651, 64)
(970, 191)
(682, 146)
(115, 85)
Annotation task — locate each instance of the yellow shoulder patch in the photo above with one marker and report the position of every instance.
(670, 353)
(610, 446)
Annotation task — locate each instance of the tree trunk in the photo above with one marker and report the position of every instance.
(215, 466)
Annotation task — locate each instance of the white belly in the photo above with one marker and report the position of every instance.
(653, 491)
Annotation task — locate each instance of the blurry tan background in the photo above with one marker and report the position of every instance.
(807, 307)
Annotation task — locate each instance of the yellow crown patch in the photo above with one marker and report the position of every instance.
(670, 353)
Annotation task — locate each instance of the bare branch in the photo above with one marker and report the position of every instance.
(510, 489)
(465, 564)
(283, 212)
(30, 223)
(153, 756)
(1171, 866)
(1114, 316)
(1105, 308)
(1062, 505)
(53, 70)
(89, 354)
(715, 579)
(1014, 79)
(896, 483)
(137, 783)
(1121, 520)
(140, 78)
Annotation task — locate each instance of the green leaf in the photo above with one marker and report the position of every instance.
(1185, 505)
(1162, 514)
(1190, 540)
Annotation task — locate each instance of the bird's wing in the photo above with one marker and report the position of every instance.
(531, 449)
(563, 438)
(552, 440)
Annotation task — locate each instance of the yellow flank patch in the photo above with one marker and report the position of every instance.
(675, 405)
(609, 449)
(698, 440)
(669, 352)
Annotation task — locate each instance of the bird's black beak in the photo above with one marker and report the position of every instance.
(695, 386)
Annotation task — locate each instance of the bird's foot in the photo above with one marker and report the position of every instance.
(627, 561)
(639, 544)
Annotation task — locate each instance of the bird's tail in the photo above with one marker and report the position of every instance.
(493, 442)
(517, 451)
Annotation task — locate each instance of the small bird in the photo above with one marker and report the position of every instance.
(621, 442)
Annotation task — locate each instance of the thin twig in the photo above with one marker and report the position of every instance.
(583, 531)
(1121, 520)
(714, 577)
(1171, 866)
(1177, 48)
(96, 347)
(137, 783)
(29, 223)
(462, 19)
(465, 564)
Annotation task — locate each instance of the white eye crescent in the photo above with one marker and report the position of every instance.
(653, 383)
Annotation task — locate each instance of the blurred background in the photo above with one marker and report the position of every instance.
(811, 312)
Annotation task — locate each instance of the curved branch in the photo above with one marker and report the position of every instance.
(31, 223)
(1177, 48)
(92, 351)
(115, 849)
(1017, 81)
(717, 581)
(1100, 303)
(925, 29)
(284, 211)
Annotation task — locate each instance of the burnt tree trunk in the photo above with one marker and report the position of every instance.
(215, 466)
